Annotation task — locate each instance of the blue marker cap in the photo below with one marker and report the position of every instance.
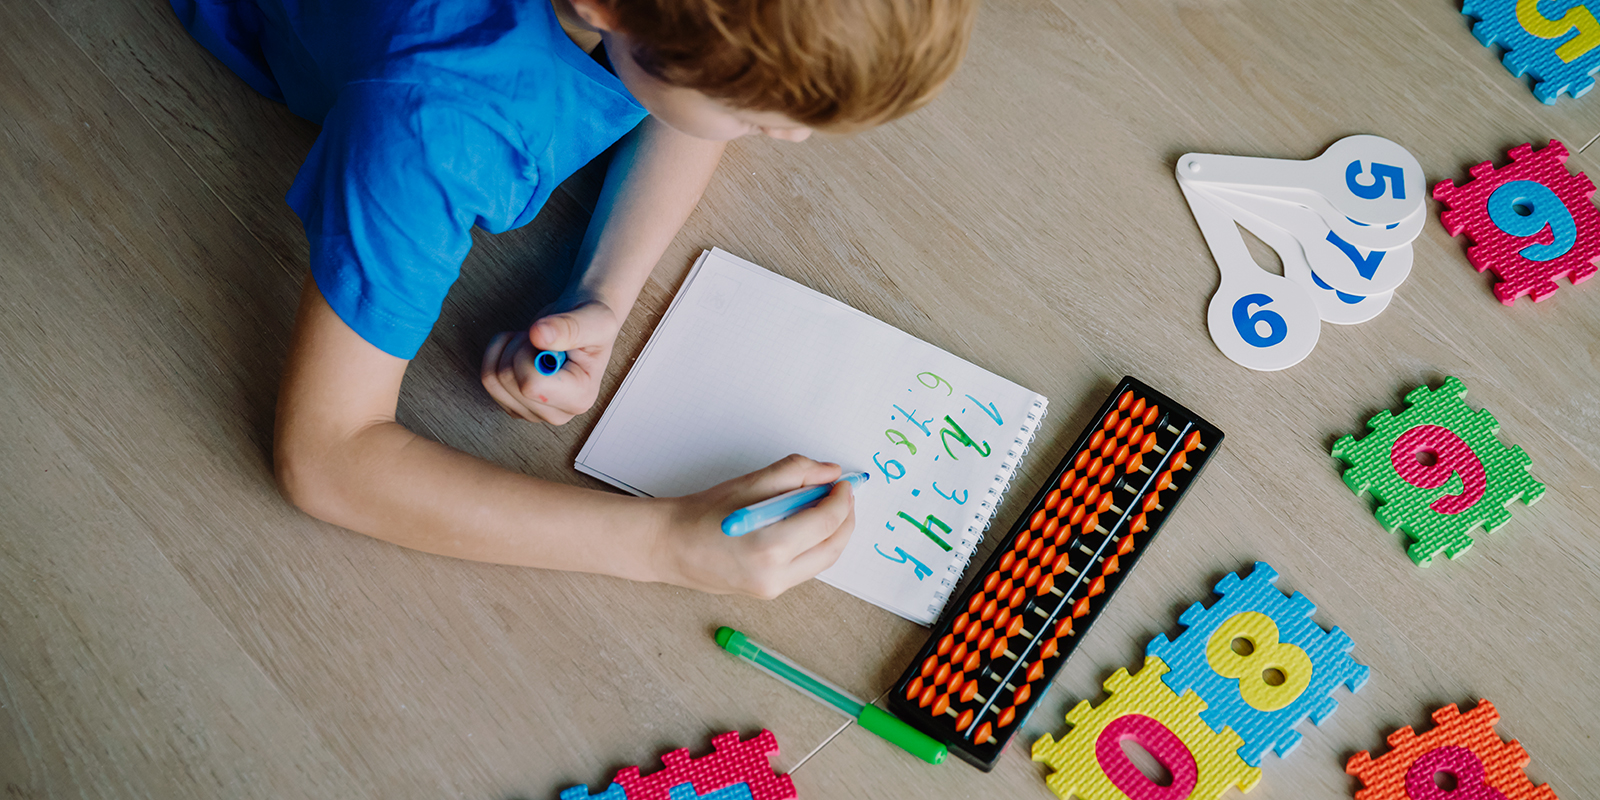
(549, 362)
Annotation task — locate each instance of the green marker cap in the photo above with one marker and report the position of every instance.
(902, 735)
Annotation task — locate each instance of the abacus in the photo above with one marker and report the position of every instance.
(1002, 640)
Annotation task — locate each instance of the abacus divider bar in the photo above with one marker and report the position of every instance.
(1110, 537)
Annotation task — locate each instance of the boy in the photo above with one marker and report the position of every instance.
(439, 115)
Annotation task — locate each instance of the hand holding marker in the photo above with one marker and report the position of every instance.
(870, 717)
(784, 506)
(549, 362)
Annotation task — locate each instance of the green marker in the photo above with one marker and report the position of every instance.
(872, 718)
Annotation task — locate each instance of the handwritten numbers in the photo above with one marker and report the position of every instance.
(961, 437)
(1250, 313)
(988, 408)
(1394, 176)
(883, 466)
(937, 382)
(899, 438)
(920, 569)
(1448, 455)
(912, 415)
(1264, 656)
(1539, 25)
(1526, 208)
(927, 528)
(952, 495)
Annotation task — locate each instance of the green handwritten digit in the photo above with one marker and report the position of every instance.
(949, 390)
(892, 433)
(960, 436)
(927, 528)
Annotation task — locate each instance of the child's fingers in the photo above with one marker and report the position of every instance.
(786, 474)
(588, 325)
(491, 378)
(811, 527)
(806, 565)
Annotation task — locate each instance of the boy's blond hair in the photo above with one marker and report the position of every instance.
(830, 64)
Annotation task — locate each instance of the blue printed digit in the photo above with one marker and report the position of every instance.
(1381, 173)
(1525, 208)
(918, 567)
(1245, 320)
(1366, 265)
(1347, 299)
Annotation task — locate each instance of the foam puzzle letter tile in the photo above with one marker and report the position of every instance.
(732, 762)
(1089, 763)
(1472, 480)
(1511, 255)
(1465, 746)
(1283, 637)
(1539, 45)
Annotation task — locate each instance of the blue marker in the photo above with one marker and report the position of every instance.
(784, 506)
(549, 362)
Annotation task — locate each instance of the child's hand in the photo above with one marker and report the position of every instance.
(586, 332)
(694, 552)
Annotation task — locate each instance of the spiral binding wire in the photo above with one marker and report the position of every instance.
(990, 503)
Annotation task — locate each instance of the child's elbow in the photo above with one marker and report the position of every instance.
(306, 478)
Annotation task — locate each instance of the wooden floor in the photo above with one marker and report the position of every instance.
(170, 628)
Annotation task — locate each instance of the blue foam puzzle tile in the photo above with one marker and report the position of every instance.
(1555, 41)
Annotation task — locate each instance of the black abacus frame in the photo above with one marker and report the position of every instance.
(984, 756)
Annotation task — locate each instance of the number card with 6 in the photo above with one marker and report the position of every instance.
(1439, 471)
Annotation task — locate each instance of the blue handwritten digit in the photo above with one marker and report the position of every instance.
(918, 567)
(1380, 173)
(927, 528)
(946, 434)
(1245, 321)
(911, 415)
(884, 466)
(952, 495)
(1525, 208)
(899, 438)
(949, 390)
(988, 408)
(1366, 265)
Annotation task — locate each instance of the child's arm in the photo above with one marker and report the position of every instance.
(340, 456)
(653, 183)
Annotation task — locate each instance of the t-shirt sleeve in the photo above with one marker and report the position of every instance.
(388, 197)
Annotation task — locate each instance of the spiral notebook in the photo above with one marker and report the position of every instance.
(748, 366)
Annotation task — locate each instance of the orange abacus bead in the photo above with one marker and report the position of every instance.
(1038, 519)
(1110, 566)
(1150, 502)
(1193, 441)
(1081, 607)
(989, 609)
(1093, 496)
(1064, 627)
(972, 662)
(1125, 546)
(1135, 463)
(1016, 625)
(1035, 672)
(1138, 408)
(1124, 400)
(1019, 569)
(1052, 500)
(1150, 416)
(946, 643)
(998, 650)
(1048, 583)
(1002, 618)
(1164, 481)
(1033, 550)
(1140, 524)
(1077, 515)
(942, 675)
(1008, 559)
(1179, 460)
(983, 733)
(1105, 503)
(1033, 577)
(991, 581)
(1049, 650)
(1006, 716)
(1050, 528)
(1099, 438)
(1080, 487)
(1121, 455)
(1123, 427)
(930, 665)
(941, 705)
(1149, 443)
(975, 603)
(1083, 458)
(926, 698)
(961, 624)
(985, 640)
(913, 688)
(1097, 586)
(1022, 694)
(960, 653)
(966, 717)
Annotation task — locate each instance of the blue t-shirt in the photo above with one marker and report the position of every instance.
(437, 115)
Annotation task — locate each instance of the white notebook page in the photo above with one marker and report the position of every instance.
(748, 366)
